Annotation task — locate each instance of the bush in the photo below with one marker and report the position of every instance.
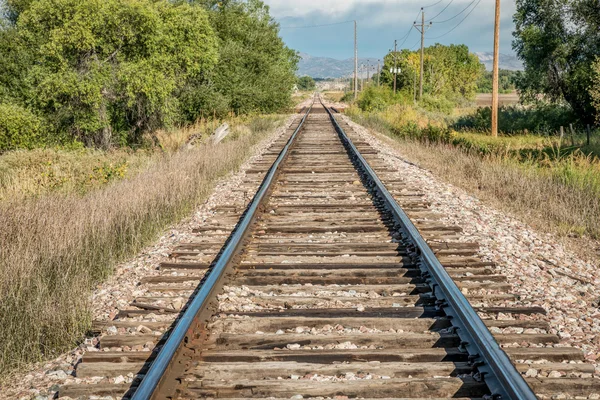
(542, 119)
(439, 104)
(377, 98)
(19, 128)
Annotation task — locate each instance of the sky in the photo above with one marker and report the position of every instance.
(382, 21)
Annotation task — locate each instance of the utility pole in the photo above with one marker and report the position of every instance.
(395, 64)
(378, 72)
(362, 77)
(495, 71)
(421, 28)
(414, 86)
(355, 63)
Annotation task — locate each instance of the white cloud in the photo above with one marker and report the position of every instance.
(301, 8)
(381, 12)
(391, 19)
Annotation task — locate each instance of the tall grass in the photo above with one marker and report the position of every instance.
(56, 247)
(546, 178)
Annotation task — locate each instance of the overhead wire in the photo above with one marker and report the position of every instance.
(434, 4)
(443, 9)
(405, 37)
(457, 25)
(462, 11)
(416, 44)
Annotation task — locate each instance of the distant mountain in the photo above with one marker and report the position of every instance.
(325, 67)
(506, 61)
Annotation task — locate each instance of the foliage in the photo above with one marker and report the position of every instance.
(506, 81)
(448, 71)
(595, 89)
(114, 67)
(557, 40)
(256, 71)
(438, 104)
(19, 128)
(542, 119)
(306, 83)
(108, 72)
(375, 98)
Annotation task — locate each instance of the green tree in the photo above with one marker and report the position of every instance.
(256, 71)
(557, 40)
(449, 71)
(506, 81)
(306, 83)
(595, 89)
(108, 66)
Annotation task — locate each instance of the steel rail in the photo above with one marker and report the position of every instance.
(157, 370)
(493, 365)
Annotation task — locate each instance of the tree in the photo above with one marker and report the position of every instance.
(558, 40)
(256, 71)
(106, 72)
(595, 89)
(109, 66)
(506, 81)
(306, 83)
(449, 71)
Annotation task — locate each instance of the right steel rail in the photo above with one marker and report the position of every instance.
(493, 365)
(183, 327)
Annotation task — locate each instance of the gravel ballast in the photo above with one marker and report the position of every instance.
(539, 268)
(42, 381)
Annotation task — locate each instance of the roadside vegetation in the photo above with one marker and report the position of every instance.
(111, 73)
(57, 246)
(99, 101)
(547, 177)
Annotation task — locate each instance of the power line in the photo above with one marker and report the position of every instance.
(438, 14)
(315, 26)
(416, 44)
(457, 25)
(405, 37)
(434, 4)
(462, 11)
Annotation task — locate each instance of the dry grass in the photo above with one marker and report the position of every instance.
(56, 247)
(35, 173)
(333, 96)
(538, 196)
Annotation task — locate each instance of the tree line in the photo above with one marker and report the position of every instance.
(106, 72)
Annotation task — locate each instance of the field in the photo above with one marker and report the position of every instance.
(485, 99)
(552, 183)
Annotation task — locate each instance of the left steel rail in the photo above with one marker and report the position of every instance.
(151, 381)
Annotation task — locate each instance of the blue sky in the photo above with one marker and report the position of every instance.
(382, 21)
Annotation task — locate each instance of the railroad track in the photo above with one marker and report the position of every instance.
(336, 281)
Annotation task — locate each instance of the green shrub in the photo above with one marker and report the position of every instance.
(439, 104)
(542, 119)
(377, 98)
(19, 128)
(348, 97)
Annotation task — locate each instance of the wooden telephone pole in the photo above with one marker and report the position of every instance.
(422, 28)
(378, 72)
(495, 71)
(355, 63)
(395, 64)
